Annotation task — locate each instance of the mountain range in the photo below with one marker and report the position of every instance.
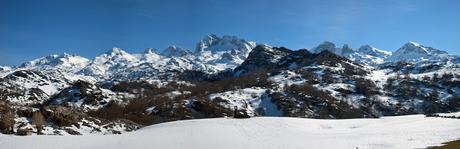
(119, 91)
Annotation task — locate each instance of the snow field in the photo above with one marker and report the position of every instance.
(400, 132)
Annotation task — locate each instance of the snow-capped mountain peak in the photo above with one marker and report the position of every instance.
(326, 45)
(114, 59)
(118, 52)
(369, 50)
(150, 55)
(116, 55)
(65, 61)
(414, 47)
(412, 43)
(174, 51)
(206, 42)
(367, 54)
(346, 50)
(364, 55)
(73, 60)
(214, 43)
(414, 51)
(224, 52)
(150, 50)
(329, 46)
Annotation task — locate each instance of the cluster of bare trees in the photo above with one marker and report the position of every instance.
(192, 102)
(305, 100)
(7, 122)
(366, 87)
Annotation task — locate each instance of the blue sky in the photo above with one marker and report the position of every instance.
(31, 29)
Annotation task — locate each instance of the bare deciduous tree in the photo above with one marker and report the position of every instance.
(6, 118)
(39, 120)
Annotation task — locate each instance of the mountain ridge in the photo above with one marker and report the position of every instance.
(365, 54)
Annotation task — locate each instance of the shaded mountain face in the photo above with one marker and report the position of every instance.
(263, 57)
(267, 58)
(125, 89)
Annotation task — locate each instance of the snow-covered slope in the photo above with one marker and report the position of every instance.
(251, 99)
(401, 132)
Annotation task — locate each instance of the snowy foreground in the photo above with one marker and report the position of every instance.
(415, 131)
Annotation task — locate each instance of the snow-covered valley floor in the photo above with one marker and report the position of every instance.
(415, 131)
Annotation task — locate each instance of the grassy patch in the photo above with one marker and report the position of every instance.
(448, 145)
